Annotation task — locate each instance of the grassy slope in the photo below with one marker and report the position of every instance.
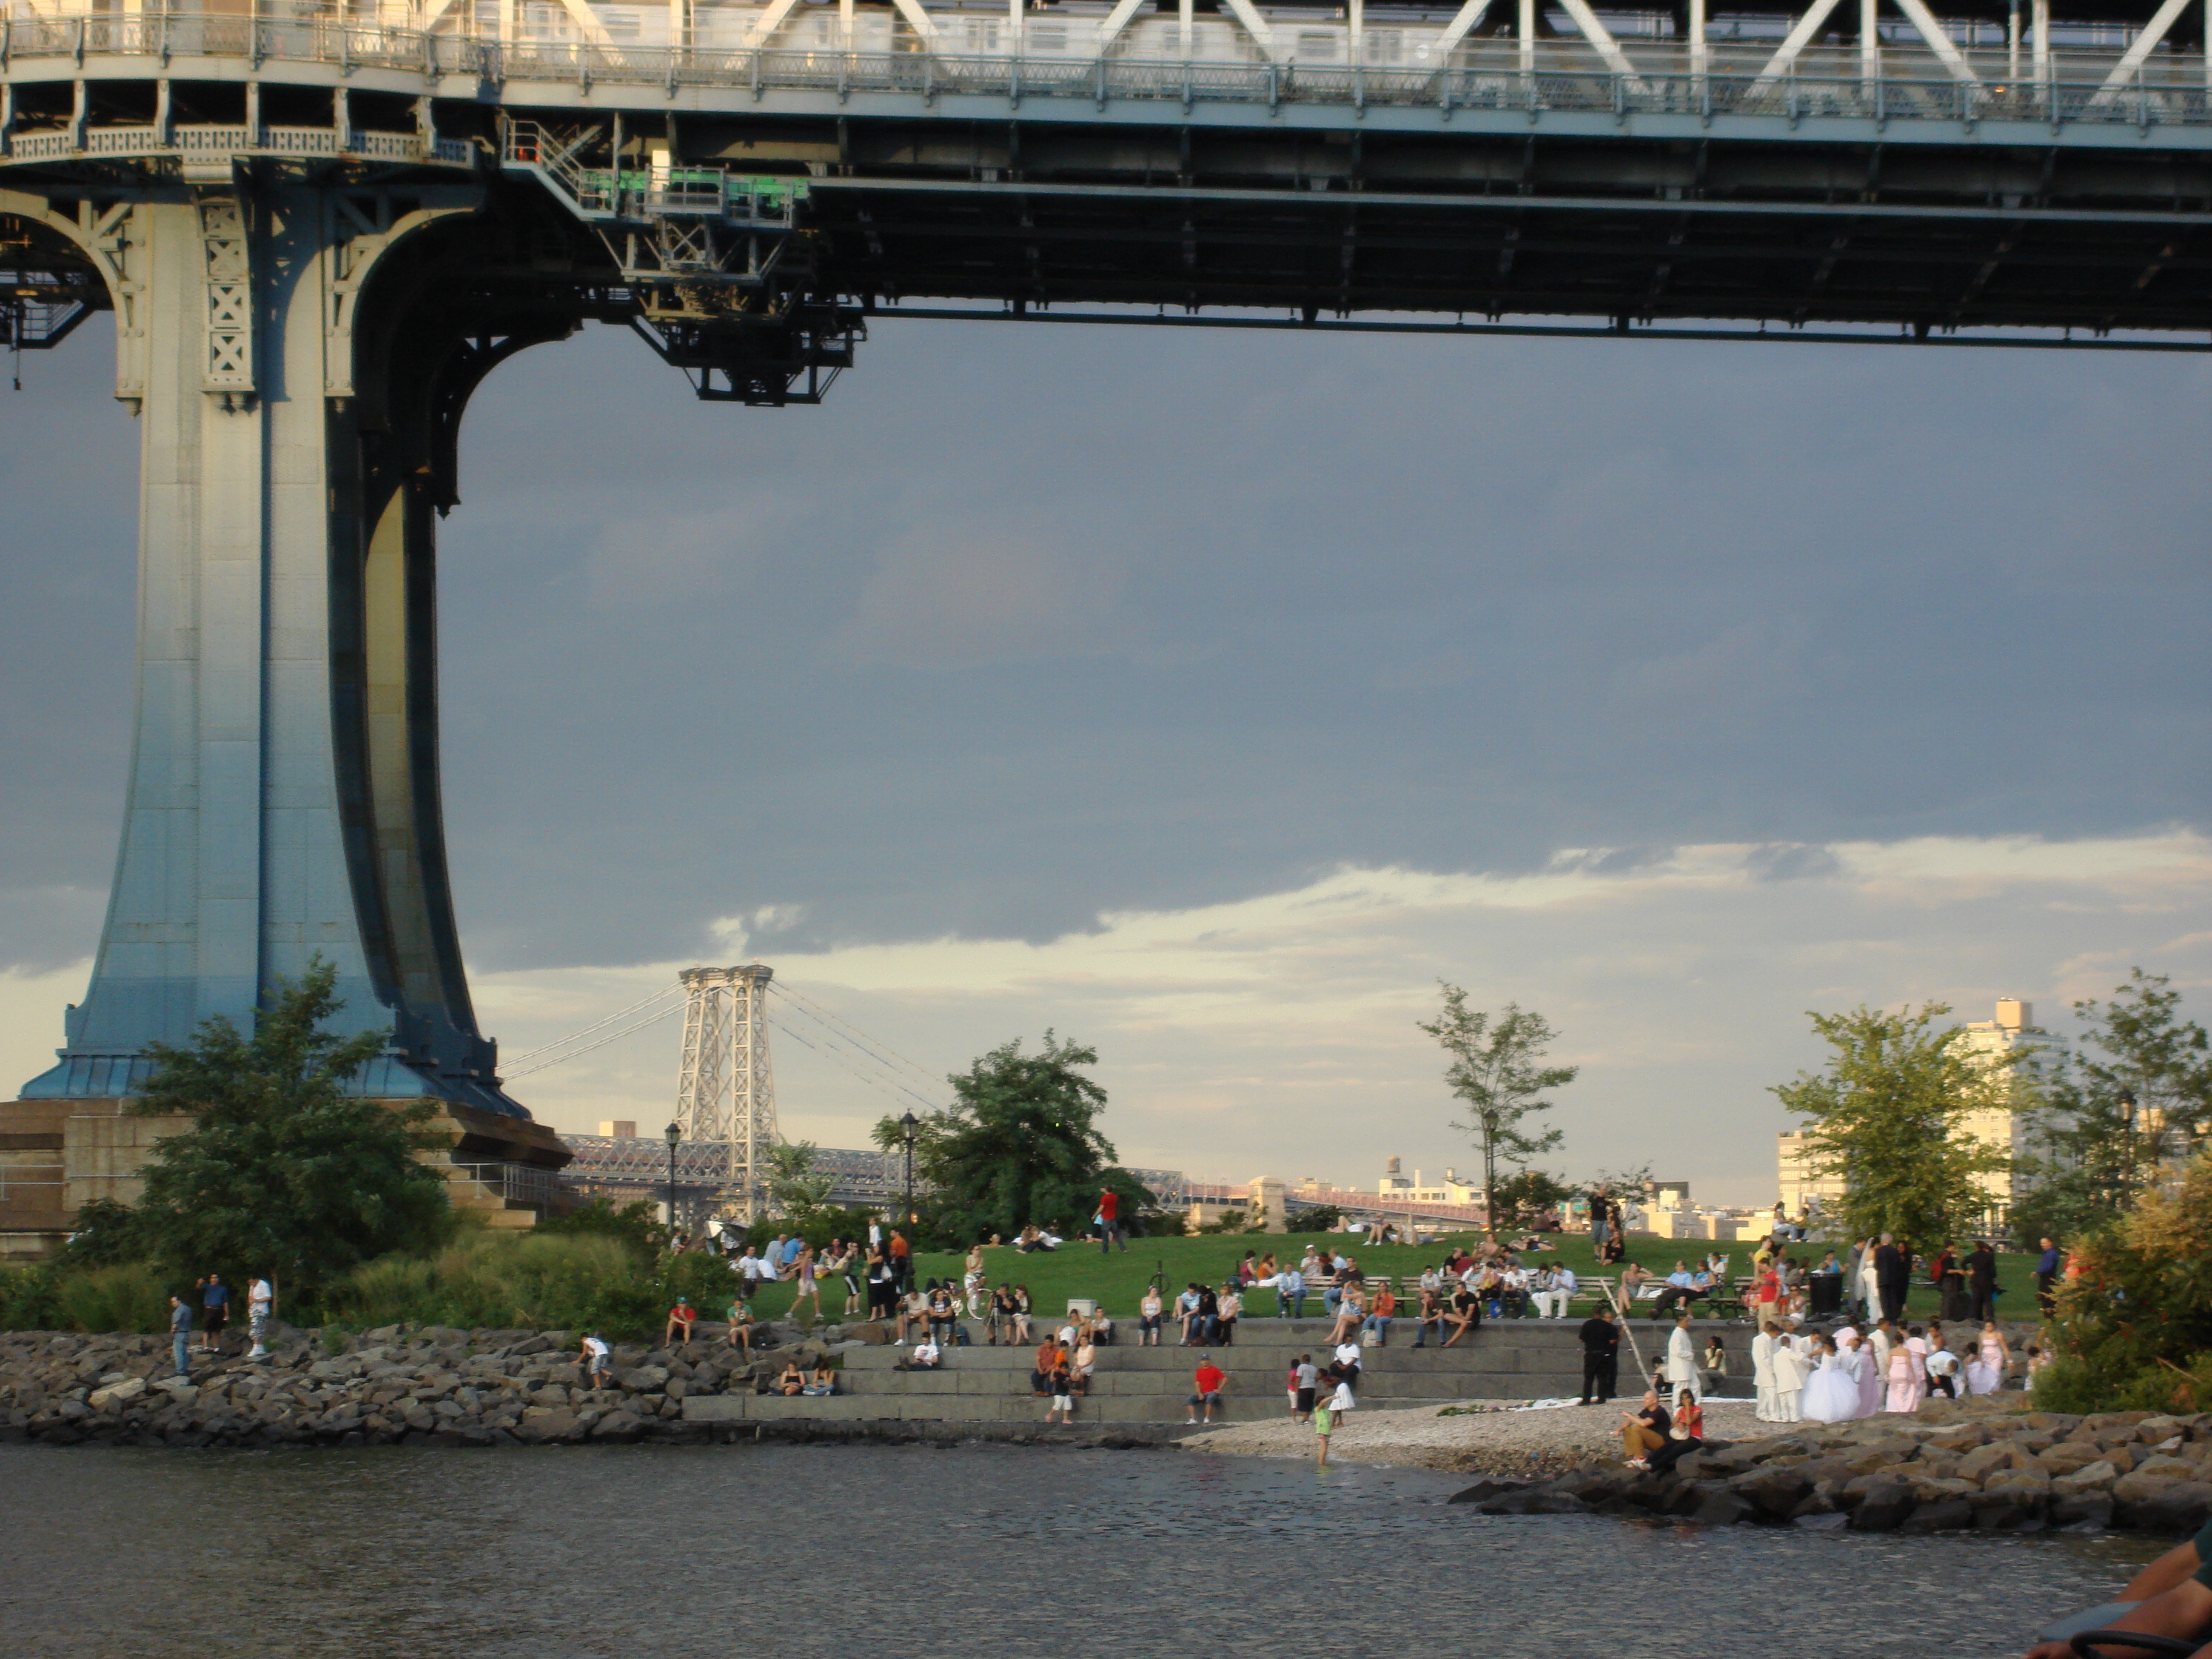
(1118, 1281)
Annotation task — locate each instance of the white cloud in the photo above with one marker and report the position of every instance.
(1276, 1033)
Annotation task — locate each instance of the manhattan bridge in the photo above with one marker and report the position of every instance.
(319, 226)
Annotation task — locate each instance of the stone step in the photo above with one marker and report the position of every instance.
(1159, 1385)
(1241, 1360)
(975, 1408)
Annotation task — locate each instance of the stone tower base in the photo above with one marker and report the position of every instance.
(56, 1155)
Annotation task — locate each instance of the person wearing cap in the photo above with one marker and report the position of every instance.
(1208, 1382)
(593, 1359)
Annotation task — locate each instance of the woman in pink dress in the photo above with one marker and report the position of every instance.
(1985, 1372)
(1904, 1392)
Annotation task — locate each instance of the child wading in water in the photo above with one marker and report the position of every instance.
(1324, 1420)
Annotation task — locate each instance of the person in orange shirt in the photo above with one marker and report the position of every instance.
(1379, 1312)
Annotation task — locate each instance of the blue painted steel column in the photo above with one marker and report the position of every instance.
(237, 866)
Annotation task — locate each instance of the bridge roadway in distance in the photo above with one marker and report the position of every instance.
(318, 231)
(1507, 1360)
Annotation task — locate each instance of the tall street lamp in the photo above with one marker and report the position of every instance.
(671, 1134)
(2126, 1101)
(907, 1125)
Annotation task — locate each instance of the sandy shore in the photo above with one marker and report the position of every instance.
(1500, 1441)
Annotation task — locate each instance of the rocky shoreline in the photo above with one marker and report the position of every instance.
(1992, 1464)
(429, 1385)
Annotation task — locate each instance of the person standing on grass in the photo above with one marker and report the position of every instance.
(810, 1288)
(2046, 1275)
(1110, 1230)
(902, 1260)
(1207, 1384)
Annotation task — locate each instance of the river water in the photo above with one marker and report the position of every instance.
(795, 1552)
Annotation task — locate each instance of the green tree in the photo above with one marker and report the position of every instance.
(1019, 1144)
(281, 1170)
(1496, 1069)
(1531, 1196)
(797, 1187)
(1889, 1115)
(2091, 1153)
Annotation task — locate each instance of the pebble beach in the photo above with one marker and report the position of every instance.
(1495, 1437)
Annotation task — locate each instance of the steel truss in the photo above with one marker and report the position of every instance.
(724, 1088)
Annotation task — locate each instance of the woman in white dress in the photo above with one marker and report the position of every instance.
(1831, 1395)
(1985, 1371)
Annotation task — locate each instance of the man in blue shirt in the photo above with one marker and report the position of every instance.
(2046, 1274)
(215, 1312)
(180, 1333)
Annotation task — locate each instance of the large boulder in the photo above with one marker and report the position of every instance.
(117, 1394)
(541, 1427)
(1984, 1461)
(1883, 1508)
(1774, 1492)
(1950, 1514)
(2163, 1505)
(2069, 1455)
(2090, 1476)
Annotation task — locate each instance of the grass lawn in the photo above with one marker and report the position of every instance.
(1118, 1281)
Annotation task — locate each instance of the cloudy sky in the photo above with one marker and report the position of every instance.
(1210, 698)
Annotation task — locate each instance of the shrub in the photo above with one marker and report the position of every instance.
(131, 1297)
(1319, 1220)
(28, 1299)
(2134, 1326)
(637, 1224)
(547, 1282)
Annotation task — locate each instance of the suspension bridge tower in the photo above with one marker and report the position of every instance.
(725, 1090)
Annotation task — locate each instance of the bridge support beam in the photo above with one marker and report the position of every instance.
(283, 798)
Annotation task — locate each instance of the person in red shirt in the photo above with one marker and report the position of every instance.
(1109, 1222)
(901, 1261)
(1210, 1381)
(681, 1317)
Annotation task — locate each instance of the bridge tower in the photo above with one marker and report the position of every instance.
(725, 1090)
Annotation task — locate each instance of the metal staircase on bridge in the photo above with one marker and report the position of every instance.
(717, 262)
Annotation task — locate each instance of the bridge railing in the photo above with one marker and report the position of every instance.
(2165, 88)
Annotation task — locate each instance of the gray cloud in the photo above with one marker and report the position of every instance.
(1025, 624)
